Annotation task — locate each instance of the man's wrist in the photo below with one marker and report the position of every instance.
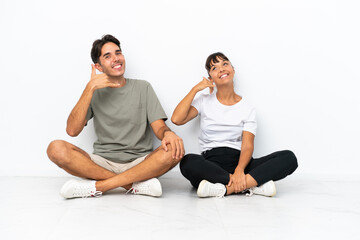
(90, 87)
(167, 131)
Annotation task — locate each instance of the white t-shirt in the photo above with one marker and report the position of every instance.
(222, 125)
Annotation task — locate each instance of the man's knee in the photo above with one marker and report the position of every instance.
(56, 152)
(167, 159)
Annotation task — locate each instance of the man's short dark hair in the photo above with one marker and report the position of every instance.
(99, 43)
(214, 58)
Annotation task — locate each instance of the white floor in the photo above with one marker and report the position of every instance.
(306, 207)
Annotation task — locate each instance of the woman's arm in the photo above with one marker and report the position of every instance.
(247, 149)
(184, 112)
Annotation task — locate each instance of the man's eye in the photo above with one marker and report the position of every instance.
(213, 68)
(225, 64)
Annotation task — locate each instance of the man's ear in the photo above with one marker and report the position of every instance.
(98, 67)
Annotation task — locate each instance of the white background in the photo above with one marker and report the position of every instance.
(296, 61)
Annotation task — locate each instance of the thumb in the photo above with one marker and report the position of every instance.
(211, 89)
(93, 70)
(163, 143)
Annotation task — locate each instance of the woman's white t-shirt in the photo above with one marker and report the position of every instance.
(222, 125)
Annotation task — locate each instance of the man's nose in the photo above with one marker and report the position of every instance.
(115, 58)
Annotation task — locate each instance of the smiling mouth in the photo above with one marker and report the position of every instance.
(117, 66)
(224, 76)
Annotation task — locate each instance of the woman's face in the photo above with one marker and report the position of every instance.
(222, 72)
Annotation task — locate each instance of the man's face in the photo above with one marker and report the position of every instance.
(111, 60)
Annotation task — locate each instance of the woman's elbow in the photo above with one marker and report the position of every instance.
(176, 121)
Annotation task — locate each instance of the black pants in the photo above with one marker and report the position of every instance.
(216, 164)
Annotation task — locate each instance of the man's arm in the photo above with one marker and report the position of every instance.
(167, 136)
(77, 118)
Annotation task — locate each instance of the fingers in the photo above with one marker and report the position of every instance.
(93, 70)
(230, 182)
(243, 184)
(182, 153)
(163, 144)
(114, 85)
(173, 149)
(210, 84)
(212, 88)
(178, 149)
(238, 182)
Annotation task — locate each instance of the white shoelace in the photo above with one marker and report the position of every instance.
(97, 194)
(250, 192)
(86, 191)
(136, 190)
(131, 190)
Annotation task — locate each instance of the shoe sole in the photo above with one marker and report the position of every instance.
(201, 185)
(155, 194)
(274, 193)
(62, 190)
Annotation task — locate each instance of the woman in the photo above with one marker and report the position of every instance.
(228, 128)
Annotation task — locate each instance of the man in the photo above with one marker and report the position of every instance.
(124, 112)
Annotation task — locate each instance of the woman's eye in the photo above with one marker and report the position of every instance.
(225, 64)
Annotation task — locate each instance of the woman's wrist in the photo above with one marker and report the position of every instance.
(239, 170)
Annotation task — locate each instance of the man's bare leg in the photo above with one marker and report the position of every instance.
(76, 161)
(155, 165)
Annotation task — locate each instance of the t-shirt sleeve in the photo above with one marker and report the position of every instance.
(196, 103)
(89, 114)
(250, 124)
(153, 107)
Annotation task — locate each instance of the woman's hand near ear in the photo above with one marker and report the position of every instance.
(204, 84)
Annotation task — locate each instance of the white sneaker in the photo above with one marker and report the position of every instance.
(208, 189)
(268, 189)
(151, 187)
(79, 188)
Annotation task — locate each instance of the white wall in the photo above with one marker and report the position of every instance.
(297, 61)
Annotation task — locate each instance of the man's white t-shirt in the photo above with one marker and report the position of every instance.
(222, 125)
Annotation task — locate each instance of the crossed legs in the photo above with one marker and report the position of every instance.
(78, 163)
(216, 166)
